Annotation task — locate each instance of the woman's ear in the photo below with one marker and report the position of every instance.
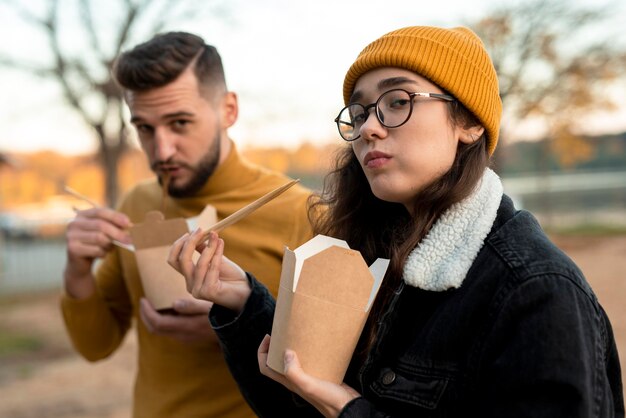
(470, 135)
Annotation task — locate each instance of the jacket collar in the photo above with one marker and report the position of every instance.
(442, 259)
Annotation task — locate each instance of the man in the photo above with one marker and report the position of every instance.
(175, 88)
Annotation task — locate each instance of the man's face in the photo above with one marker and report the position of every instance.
(182, 131)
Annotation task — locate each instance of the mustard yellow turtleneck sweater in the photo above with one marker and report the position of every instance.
(177, 379)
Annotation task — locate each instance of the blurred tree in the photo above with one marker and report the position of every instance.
(84, 37)
(556, 63)
(4, 161)
(272, 158)
(306, 158)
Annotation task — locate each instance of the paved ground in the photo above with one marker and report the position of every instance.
(48, 380)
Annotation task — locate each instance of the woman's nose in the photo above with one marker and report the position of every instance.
(372, 128)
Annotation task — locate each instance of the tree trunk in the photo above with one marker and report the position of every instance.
(110, 152)
(110, 155)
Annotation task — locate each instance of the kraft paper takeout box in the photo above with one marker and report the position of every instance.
(325, 294)
(152, 240)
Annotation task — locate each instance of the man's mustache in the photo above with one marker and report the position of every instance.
(159, 166)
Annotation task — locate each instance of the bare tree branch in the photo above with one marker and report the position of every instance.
(129, 20)
(175, 13)
(165, 10)
(26, 15)
(29, 68)
(61, 66)
(90, 28)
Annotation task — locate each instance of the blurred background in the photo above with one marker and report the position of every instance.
(561, 155)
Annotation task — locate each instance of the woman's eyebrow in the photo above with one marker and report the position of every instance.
(356, 96)
(394, 82)
(385, 84)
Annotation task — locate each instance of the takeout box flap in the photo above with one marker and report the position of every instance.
(378, 270)
(206, 218)
(313, 246)
(342, 274)
(155, 231)
(288, 270)
(337, 275)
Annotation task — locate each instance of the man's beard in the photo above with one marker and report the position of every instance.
(200, 173)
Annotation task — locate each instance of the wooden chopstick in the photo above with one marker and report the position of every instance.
(248, 209)
(166, 184)
(84, 198)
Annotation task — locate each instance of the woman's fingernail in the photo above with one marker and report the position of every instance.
(288, 356)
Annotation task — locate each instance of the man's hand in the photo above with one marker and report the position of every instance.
(89, 236)
(191, 324)
(328, 398)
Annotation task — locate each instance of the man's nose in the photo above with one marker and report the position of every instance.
(164, 145)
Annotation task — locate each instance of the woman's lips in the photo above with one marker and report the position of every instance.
(376, 159)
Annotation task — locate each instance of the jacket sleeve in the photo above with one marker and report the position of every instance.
(546, 353)
(240, 337)
(97, 325)
(361, 408)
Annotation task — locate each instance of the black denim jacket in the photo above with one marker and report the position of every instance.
(524, 336)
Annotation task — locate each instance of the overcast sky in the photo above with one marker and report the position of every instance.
(286, 60)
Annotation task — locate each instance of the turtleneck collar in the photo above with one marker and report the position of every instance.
(231, 174)
(443, 258)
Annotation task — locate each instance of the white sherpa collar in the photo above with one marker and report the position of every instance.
(441, 261)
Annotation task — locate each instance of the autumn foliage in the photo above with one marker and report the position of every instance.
(37, 177)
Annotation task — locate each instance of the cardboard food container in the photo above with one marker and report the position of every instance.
(325, 294)
(152, 240)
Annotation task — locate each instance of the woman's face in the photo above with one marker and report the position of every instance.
(400, 162)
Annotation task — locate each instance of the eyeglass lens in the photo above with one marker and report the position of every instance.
(392, 109)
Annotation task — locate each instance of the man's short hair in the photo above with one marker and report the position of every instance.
(162, 59)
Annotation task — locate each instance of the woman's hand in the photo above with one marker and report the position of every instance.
(213, 277)
(328, 398)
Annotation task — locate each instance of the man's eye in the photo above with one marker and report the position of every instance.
(181, 123)
(144, 129)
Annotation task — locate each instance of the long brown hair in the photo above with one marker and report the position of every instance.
(382, 229)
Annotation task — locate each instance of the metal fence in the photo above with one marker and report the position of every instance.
(31, 264)
(567, 200)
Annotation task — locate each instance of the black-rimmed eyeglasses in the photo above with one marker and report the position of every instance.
(393, 108)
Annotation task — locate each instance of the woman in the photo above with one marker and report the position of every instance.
(479, 313)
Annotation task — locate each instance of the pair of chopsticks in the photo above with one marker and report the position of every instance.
(229, 220)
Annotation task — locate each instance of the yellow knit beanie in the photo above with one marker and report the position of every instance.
(454, 59)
